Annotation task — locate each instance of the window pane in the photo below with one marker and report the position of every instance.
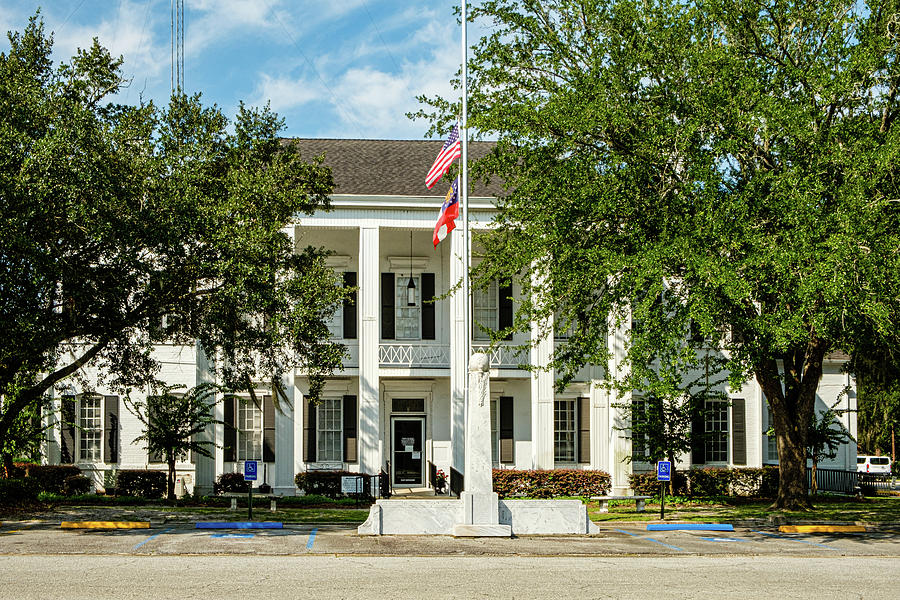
(91, 433)
(485, 310)
(408, 318)
(249, 431)
(495, 441)
(717, 431)
(564, 430)
(329, 430)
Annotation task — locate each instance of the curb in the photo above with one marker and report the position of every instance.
(105, 525)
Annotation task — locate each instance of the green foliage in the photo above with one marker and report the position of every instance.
(124, 226)
(230, 482)
(51, 478)
(77, 485)
(877, 370)
(327, 483)
(18, 492)
(738, 158)
(173, 421)
(750, 482)
(142, 483)
(510, 483)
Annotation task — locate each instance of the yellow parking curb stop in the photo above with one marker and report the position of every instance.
(105, 525)
(822, 529)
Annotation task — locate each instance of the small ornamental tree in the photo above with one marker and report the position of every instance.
(172, 421)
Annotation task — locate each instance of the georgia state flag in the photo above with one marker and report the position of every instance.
(449, 211)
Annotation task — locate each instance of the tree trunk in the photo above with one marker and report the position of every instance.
(792, 410)
(7, 466)
(672, 476)
(170, 480)
(814, 487)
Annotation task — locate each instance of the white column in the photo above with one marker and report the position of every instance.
(600, 430)
(619, 442)
(458, 335)
(205, 468)
(369, 314)
(283, 481)
(541, 398)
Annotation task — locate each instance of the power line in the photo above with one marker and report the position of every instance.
(337, 103)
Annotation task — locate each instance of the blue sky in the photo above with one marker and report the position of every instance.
(332, 68)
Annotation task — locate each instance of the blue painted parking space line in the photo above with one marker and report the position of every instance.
(689, 527)
(312, 538)
(655, 541)
(790, 539)
(723, 539)
(239, 525)
(136, 546)
(233, 535)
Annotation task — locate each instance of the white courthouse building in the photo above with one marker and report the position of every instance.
(397, 403)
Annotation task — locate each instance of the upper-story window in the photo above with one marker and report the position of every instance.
(485, 308)
(408, 307)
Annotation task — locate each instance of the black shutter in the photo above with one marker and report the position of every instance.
(583, 406)
(427, 306)
(387, 306)
(350, 307)
(230, 446)
(268, 429)
(350, 419)
(739, 432)
(505, 318)
(698, 436)
(309, 431)
(111, 427)
(67, 431)
(507, 444)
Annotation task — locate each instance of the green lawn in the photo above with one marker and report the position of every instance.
(825, 509)
(285, 515)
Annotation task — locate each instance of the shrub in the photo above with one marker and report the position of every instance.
(18, 492)
(77, 485)
(711, 482)
(328, 483)
(140, 482)
(510, 483)
(51, 478)
(230, 482)
(646, 484)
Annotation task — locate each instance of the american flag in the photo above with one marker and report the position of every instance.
(451, 151)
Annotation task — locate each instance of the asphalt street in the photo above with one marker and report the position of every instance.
(38, 559)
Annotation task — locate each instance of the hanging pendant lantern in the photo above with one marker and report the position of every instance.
(411, 286)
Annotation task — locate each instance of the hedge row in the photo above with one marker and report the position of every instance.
(140, 482)
(230, 482)
(328, 483)
(18, 492)
(509, 483)
(755, 482)
(52, 478)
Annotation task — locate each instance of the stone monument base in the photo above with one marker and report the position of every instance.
(442, 517)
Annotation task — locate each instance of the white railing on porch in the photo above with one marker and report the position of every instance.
(504, 356)
(414, 354)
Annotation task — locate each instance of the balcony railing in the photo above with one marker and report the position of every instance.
(414, 354)
(504, 356)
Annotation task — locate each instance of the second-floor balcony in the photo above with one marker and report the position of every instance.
(437, 356)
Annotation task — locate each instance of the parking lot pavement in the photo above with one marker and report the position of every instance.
(624, 539)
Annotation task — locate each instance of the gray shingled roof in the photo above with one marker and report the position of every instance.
(387, 167)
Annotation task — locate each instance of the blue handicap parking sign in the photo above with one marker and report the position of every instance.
(664, 470)
(250, 470)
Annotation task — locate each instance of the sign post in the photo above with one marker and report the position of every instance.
(250, 470)
(663, 475)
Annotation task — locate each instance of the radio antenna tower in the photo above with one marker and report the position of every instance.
(177, 46)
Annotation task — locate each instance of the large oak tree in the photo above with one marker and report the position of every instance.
(733, 160)
(124, 226)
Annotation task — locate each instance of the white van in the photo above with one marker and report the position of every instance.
(877, 465)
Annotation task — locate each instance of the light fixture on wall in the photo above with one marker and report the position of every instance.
(411, 286)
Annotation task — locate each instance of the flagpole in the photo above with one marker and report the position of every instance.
(464, 202)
